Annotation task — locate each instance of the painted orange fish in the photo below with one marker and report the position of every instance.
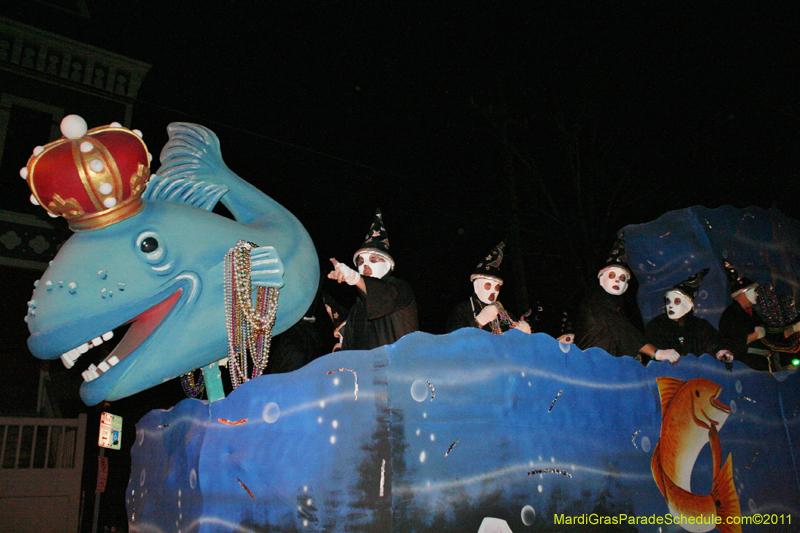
(691, 416)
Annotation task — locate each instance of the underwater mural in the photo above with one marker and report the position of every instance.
(438, 433)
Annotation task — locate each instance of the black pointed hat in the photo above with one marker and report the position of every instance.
(376, 241)
(490, 266)
(617, 257)
(566, 325)
(737, 281)
(691, 285)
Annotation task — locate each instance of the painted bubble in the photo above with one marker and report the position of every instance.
(733, 407)
(646, 444)
(738, 386)
(271, 413)
(751, 504)
(142, 477)
(193, 478)
(528, 515)
(419, 390)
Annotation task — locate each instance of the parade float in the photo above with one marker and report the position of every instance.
(461, 432)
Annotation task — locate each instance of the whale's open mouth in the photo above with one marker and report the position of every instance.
(138, 329)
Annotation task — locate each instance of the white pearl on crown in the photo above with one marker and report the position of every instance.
(73, 127)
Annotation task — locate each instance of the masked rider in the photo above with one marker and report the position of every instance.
(385, 308)
(601, 322)
(483, 309)
(680, 330)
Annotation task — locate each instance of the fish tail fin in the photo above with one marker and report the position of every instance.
(726, 498)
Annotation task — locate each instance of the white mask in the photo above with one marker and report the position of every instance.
(567, 338)
(678, 304)
(373, 265)
(487, 289)
(615, 280)
(751, 294)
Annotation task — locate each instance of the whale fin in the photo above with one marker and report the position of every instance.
(727, 501)
(266, 268)
(192, 152)
(667, 388)
(192, 192)
(192, 169)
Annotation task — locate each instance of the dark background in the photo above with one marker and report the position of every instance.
(548, 125)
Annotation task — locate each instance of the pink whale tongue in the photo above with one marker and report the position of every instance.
(143, 325)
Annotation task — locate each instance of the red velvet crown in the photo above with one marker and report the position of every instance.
(92, 178)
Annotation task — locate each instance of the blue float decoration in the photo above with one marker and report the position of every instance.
(438, 433)
(763, 244)
(153, 258)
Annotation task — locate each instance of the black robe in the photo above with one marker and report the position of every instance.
(696, 336)
(463, 316)
(387, 312)
(295, 347)
(600, 323)
(736, 324)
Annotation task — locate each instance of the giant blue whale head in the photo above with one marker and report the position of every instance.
(156, 278)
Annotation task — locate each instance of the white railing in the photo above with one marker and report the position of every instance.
(41, 464)
(40, 443)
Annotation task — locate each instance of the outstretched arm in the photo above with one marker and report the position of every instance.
(343, 273)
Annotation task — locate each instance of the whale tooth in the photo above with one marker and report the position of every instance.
(83, 348)
(108, 335)
(90, 374)
(103, 367)
(97, 341)
(67, 359)
(113, 360)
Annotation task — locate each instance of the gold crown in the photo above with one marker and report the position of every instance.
(92, 178)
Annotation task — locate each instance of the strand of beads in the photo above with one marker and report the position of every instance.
(267, 304)
(193, 388)
(503, 318)
(249, 327)
(231, 323)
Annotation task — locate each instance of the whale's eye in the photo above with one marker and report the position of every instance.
(150, 244)
(697, 393)
(153, 249)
